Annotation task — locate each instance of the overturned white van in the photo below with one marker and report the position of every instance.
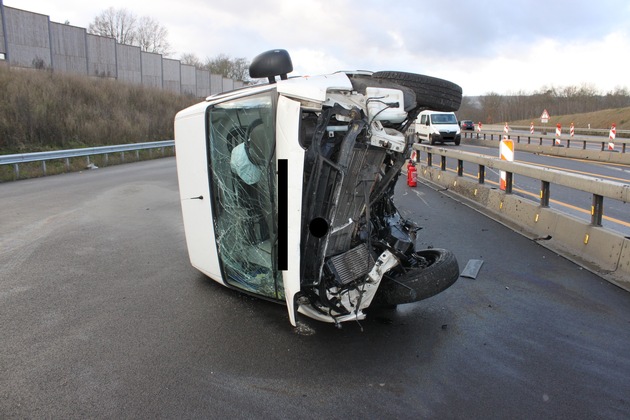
(287, 189)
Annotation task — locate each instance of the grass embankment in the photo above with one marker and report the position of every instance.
(42, 111)
(597, 120)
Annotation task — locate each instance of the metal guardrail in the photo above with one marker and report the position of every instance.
(600, 249)
(599, 188)
(17, 159)
(549, 139)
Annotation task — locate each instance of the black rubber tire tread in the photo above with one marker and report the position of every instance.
(420, 283)
(431, 93)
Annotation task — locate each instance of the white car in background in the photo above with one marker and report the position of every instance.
(287, 189)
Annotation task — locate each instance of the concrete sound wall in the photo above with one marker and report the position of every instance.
(30, 40)
(151, 69)
(3, 46)
(27, 39)
(189, 79)
(171, 75)
(128, 64)
(101, 56)
(69, 49)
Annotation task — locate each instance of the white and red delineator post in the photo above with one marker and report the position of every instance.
(506, 152)
(531, 128)
(611, 137)
(479, 126)
(572, 130)
(506, 129)
(558, 134)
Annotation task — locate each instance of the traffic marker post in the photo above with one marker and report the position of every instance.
(611, 137)
(506, 152)
(558, 134)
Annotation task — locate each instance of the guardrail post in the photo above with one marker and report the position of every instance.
(429, 159)
(584, 146)
(443, 163)
(481, 175)
(623, 148)
(137, 154)
(544, 194)
(16, 171)
(508, 182)
(603, 146)
(106, 159)
(597, 210)
(122, 157)
(460, 167)
(67, 165)
(44, 167)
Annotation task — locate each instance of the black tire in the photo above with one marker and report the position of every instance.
(431, 92)
(420, 283)
(431, 140)
(457, 141)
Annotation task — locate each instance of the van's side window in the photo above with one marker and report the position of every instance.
(423, 119)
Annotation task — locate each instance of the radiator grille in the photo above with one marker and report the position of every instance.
(351, 265)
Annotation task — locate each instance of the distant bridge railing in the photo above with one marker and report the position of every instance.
(20, 158)
(524, 137)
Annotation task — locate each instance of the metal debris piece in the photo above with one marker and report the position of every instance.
(472, 269)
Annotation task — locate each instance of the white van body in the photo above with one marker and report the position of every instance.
(287, 190)
(438, 127)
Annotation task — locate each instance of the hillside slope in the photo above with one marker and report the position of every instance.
(599, 119)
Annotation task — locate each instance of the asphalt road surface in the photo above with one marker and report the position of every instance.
(101, 316)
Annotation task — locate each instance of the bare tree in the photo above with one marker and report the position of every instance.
(152, 37)
(126, 28)
(233, 68)
(191, 59)
(119, 24)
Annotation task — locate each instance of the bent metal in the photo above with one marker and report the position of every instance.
(287, 189)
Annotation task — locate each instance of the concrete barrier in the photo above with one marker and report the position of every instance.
(602, 251)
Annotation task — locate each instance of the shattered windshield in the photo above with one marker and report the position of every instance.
(241, 145)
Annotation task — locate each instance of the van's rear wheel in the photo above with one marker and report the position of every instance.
(431, 92)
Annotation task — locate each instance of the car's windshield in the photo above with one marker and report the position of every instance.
(443, 119)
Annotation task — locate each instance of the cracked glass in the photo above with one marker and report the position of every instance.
(241, 145)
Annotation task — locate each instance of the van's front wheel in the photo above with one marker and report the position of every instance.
(438, 270)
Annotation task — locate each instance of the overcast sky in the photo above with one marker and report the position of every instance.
(484, 46)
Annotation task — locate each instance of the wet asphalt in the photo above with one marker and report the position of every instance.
(102, 316)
